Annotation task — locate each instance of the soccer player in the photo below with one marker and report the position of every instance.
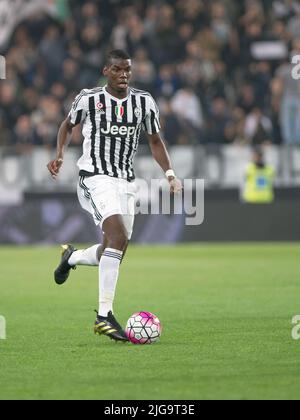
(112, 117)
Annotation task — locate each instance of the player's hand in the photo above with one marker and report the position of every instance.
(175, 186)
(54, 167)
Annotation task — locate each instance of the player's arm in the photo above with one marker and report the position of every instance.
(161, 155)
(158, 148)
(76, 116)
(63, 140)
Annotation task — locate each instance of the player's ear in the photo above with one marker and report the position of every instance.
(105, 71)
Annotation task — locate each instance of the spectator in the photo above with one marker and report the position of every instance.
(46, 119)
(238, 126)
(293, 26)
(218, 123)
(276, 92)
(171, 126)
(164, 42)
(260, 76)
(70, 74)
(58, 91)
(90, 43)
(205, 45)
(194, 12)
(188, 109)
(285, 9)
(9, 105)
(143, 71)
(247, 98)
(136, 38)
(167, 82)
(30, 100)
(185, 34)
(5, 136)
(259, 183)
(53, 52)
(220, 23)
(150, 21)
(290, 102)
(210, 44)
(24, 135)
(258, 128)
(279, 32)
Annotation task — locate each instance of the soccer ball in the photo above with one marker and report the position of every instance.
(143, 328)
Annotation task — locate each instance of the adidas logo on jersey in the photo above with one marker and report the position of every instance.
(100, 108)
(117, 129)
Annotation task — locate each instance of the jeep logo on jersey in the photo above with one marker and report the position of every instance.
(119, 130)
(119, 110)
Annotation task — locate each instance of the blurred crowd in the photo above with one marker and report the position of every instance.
(195, 56)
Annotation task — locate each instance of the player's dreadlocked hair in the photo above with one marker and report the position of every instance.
(117, 54)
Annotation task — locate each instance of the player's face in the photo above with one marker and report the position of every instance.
(118, 74)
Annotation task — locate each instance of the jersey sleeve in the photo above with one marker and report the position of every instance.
(78, 111)
(151, 122)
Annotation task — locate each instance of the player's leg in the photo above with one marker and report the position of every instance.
(100, 196)
(71, 257)
(128, 212)
(110, 261)
(118, 231)
(125, 251)
(102, 247)
(88, 257)
(62, 272)
(117, 240)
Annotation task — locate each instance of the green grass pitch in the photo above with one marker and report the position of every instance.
(226, 312)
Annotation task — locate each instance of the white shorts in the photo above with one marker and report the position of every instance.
(103, 196)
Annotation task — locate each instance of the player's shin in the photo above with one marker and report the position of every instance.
(108, 277)
(89, 256)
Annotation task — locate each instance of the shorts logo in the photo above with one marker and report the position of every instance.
(137, 112)
(119, 110)
(101, 206)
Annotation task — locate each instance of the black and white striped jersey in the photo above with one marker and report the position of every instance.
(111, 130)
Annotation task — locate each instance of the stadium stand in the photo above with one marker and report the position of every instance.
(220, 71)
(193, 52)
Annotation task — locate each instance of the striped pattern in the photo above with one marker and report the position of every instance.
(87, 195)
(113, 254)
(111, 137)
(103, 328)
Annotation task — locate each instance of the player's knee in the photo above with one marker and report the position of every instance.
(118, 240)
